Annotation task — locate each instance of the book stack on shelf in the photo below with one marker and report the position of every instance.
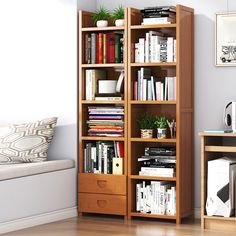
(159, 15)
(102, 48)
(156, 197)
(158, 161)
(155, 47)
(106, 121)
(99, 156)
(147, 87)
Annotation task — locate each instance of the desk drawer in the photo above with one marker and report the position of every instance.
(102, 203)
(98, 183)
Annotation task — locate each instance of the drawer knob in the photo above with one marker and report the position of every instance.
(101, 203)
(101, 183)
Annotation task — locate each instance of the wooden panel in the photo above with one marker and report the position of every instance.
(220, 149)
(216, 224)
(102, 203)
(137, 214)
(97, 183)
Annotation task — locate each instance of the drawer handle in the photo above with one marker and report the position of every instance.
(101, 183)
(101, 203)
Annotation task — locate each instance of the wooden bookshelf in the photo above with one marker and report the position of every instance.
(181, 110)
(100, 193)
(213, 146)
(94, 199)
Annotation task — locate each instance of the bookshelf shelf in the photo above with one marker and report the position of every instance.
(88, 138)
(152, 178)
(102, 29)
(157, 64)
(111, 65)
(102, 102)
(143, 27)
(153, 102)
(153, 140)
(147, 215)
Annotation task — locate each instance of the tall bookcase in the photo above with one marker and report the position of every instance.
(111, 194)
(100, 193)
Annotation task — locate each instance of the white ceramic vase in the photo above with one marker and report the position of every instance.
(102, 23)
(120, 22)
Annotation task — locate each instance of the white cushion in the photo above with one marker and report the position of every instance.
(25, 169)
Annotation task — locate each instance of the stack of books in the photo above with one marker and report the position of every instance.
(98, 156)
(155, 47)
(158, 161)
(104, 47)
(106, 121)
(158, 197)
(147, 87)
(159, 15)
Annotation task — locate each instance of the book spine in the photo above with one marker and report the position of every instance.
(112, 47)
(175, 50)
(89, 49)
(85, 161)
(86, 48)
(93, 48)
(141, 50)
(108, 35)
(117, 49)
(136, 52)
(100, 48)
(170, 49)
(104, 49)
(147, 50)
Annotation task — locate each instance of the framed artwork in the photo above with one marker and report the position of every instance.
(225, 52)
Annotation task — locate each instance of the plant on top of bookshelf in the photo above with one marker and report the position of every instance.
(161, 122)
(118, 15)
(146, 123)
(101, 17)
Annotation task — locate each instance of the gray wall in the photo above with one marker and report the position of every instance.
(88, 5)
(214, 87)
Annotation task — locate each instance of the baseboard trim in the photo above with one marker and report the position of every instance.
(197, 213)
(38, 220)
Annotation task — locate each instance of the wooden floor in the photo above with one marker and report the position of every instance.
(106, 226)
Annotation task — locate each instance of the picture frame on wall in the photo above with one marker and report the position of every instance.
(225, 39)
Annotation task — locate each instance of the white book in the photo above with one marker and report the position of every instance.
(141, 50)
(139, 86)
(138, 196)
(93, 157)
(105, 158)
(161, 174)
(168, 202)
(166, 89)
(85, 161)
(136, 52)
(170, 49)
(162, 91)
(158, 90)
(100, 158)
(170, 88)
(159, 20)
(173, 195)
(147, 50)
(153, 89)
(88, 81)
(144, 93)
(149, 90)
(175, 50)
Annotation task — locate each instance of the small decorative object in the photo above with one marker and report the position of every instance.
(161, 124)
(225, 39)
(146, 125)
(118, 16)
(172, 126)
(101, 17)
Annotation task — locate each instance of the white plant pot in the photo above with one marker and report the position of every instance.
(161, 133)
(120, 22)
(102, 23)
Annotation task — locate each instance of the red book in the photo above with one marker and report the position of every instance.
(97, 48)
(100, 48)
(108, 48)
(112, 47)
(121, 149)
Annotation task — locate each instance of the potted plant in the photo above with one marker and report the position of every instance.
(146, 125)
(118, 16)
(161, 124)
(101, 17)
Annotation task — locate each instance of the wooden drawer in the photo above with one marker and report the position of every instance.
(102, 203)
(97, 183)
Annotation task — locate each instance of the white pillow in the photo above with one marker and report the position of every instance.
(26, 142)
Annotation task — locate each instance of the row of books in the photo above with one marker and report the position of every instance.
(159, 15)
(98, 87)
(155, 48)
(158, 197)
(106, 121)
(158, 161)
(99, 157)
(147, 87)
(104, 47)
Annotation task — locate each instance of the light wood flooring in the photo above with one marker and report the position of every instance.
(106, 226)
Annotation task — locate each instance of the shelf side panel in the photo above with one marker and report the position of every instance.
(185, 107)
